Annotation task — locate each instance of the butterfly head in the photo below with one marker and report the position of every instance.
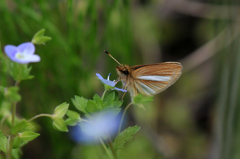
(122, 70)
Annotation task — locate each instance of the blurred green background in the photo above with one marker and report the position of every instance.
(195, 118)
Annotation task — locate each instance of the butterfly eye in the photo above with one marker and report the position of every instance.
(125, 72)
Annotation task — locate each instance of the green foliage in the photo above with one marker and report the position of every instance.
(39, 37)
(21, 127)
(3, 142)
(11, 94)
(60, 110)
(20, 72)
(59, 124)
(92, 106)
(141, 99)
(28, 136)
(80, 103)
(16, 142)
(73, 119)
(109, 101)
(125, 136)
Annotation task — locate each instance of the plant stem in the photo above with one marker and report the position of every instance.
(9, 147)
(10, 139)
(124, 112)
(40, 115)
(104, 146)
(104, 94)
(111, 146)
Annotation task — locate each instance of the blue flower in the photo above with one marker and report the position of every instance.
(100, 125)
(109, 83)
(23, 53)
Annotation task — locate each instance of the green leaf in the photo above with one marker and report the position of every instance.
(59, 124)
(28, 136)
(109, 97)
(73, 115)
(72, 122)
(11, 94)
(20, 72)
(80, 103)
(61, 110)
(39, 37)
(124, 137)
(21, 127)
(73, 119)
(16, 153)
(3, 142)
(140, 99)
(16, 142)
(98, 100)
(91, 107)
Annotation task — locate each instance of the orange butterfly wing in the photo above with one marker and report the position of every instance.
(154, 78)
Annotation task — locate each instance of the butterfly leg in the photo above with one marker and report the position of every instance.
(125, 88)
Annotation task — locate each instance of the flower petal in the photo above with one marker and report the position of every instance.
(10, 51)
(101, 124)
(107, 82)
(32, 58)
(118, 89)
(27, 58)
(26, 48)
(99, 76)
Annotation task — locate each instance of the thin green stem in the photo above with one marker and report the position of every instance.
(9, 147)
(124, 112)
(111, 146)
(10, 139)
(104, 146)
(105, 91)
(40, 115)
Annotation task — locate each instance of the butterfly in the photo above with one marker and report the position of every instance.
(149, 79)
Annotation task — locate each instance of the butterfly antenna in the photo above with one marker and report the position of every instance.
(112, 57)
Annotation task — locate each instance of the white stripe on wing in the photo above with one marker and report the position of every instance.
(147, 90)
(155, 78)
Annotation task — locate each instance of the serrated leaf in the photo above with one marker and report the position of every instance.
(91, 107)
(11, 94)
(125, 136)
(20, 72)
(3, 142)
(59, 124)
(109, 97)
(28, 136)
(21, 127)
(98, 100)
(61, 110)
(80, 103)
(117, 103)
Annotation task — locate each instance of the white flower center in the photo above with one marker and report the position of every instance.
(19, 56)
